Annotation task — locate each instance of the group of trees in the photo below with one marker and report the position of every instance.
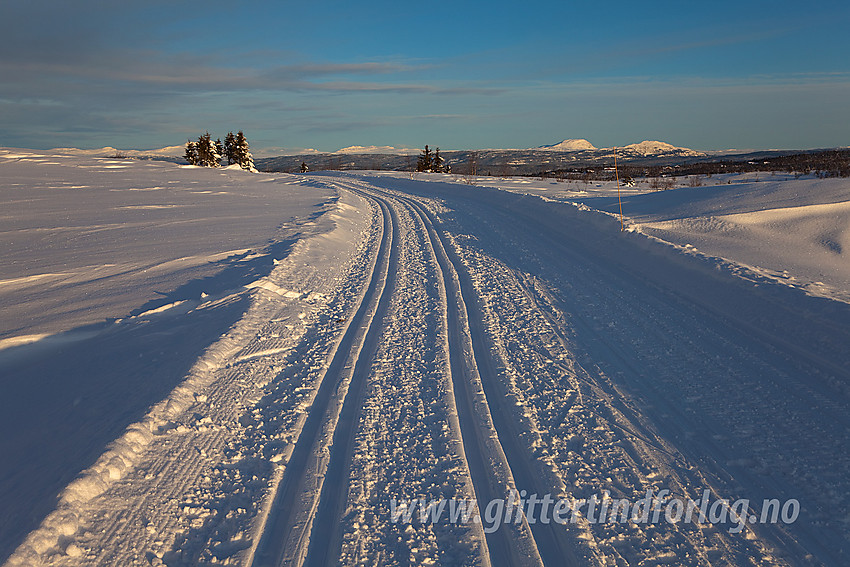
(432, 162)
(208, 153)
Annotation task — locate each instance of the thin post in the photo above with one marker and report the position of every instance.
(619, 200)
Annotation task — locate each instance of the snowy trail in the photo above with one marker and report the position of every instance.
(689, 367)
(488, 464)
(493, 443)
(315, 517)
(551, 543)
(454, 342)
(304, 523)
(308, 495)
(488, 467)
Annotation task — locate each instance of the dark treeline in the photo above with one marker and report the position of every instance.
(826, 163)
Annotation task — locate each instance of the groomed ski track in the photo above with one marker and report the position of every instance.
(724, 349)
(311, 483)
(472, 343)
(303, 528)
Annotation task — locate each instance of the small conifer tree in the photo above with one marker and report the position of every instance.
(230, 148)
(437, 163)
(219, 149)
(243, 152)
(191, 154)
(208, 155)
(425, 162)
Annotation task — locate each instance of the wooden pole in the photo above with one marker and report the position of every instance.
(619, 200)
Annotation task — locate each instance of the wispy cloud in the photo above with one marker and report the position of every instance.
(157, 72)
(102, 72)
(443, 116)
(675, 43)
(303, 70)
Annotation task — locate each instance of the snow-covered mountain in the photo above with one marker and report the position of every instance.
(168, 151)
(646, 148)
(377, 150)
(655, 148)
(570, 145)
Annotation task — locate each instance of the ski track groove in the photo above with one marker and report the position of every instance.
(485, 461)
(576, 368)
(604, 389)
(474, 390)
(424, 379)
(551, 540)
(325, 539)
(285, 538)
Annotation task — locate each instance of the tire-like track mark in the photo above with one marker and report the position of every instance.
(317, 456)
(508, 545)
(504, 547)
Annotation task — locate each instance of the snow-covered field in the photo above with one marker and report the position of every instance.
(117, 275)
(323, 344)
(795, 229)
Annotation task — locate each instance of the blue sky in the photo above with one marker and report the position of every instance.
(326, 74)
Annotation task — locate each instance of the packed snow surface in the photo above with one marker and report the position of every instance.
(432, 337)
(168, 151)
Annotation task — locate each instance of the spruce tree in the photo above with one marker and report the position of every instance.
(208, 155)
(191, 154)
(243, 153)
(425, 160)
(437, 166)
(219, 149)
(203, 151)
(230, 148)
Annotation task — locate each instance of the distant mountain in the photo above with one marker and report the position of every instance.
(647, 148)
(654, 148)
(535, 161)
(373, 150)
(571, 145)
(109, 151)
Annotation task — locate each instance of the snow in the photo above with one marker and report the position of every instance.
(649, 147)
(105, 271)
(81, 229)
(377, 150)
(610, 372)
(168, 151)
(796, 231)
(218, 367)
(569, 146)
(645, 148)
(786, 228)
